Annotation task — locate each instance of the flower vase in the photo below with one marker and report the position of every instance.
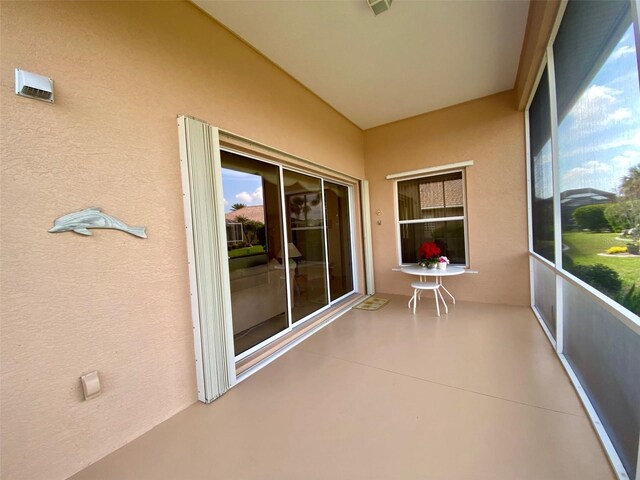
(442, 266)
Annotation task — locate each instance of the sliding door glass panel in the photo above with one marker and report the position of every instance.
(307, 256)
(605, 355)
(254, 240)
(544, 286)
(599, 147)
(541, 171)
(336, 199)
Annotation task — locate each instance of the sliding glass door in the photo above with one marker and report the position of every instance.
(254, 242)
(336, 200)
(289, 247)
(306, 233)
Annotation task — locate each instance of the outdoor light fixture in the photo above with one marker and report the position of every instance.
(379, 6)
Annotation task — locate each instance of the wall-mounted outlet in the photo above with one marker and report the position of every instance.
(90, 385)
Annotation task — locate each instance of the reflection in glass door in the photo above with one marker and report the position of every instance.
(254, 241)
(305, 229)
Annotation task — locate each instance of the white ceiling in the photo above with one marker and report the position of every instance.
(417, 57)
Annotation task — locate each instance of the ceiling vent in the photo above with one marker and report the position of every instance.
(379, 6)
(33, 85)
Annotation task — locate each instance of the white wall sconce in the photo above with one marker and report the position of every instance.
(32, 85)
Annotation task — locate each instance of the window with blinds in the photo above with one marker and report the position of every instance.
(432, 209)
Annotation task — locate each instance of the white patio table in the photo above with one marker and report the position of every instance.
(434, 272)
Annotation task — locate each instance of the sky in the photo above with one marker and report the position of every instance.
(599, 139)
(246, 188)
(240, 187)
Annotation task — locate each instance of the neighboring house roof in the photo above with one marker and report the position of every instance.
(255, 213)
(585, 196)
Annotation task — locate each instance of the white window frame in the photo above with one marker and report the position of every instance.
(437, 172)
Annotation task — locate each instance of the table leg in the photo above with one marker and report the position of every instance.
(413, 299)
(448, 293)
(446, 309)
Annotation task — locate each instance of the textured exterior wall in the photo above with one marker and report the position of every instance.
(490, 132)
(71, 304)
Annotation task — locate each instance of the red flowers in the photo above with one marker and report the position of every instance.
(429, 250)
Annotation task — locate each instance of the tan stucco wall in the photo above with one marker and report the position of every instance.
(112, 302)
(490, 132)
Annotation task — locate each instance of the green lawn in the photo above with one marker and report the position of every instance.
(584, 248)
(243, 252)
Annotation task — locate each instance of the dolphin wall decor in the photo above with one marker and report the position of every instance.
(81, 221)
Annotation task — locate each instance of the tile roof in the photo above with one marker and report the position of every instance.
(255, 213)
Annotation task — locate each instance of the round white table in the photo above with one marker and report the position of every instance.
(423, 272)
